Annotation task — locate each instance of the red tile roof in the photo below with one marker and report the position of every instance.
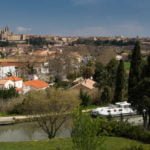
(13, 78)
(15, 64)
(2, 82)
(88, 83)
(36, 84)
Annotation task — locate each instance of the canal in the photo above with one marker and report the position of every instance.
(29, 132)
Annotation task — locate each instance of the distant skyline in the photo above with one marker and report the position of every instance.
(77, 17)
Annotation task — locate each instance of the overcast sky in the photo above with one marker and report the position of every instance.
(77, 17)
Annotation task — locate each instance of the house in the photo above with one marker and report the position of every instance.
(118, 57)
(18, 82)
(6, 84)
(5, 69)
(78, 80)
(34, 85)
(87, 85)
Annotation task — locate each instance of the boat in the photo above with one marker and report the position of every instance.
(119, 109)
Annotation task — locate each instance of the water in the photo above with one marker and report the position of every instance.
(28, 132)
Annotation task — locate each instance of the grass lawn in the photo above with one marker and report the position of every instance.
(2, 114)
(127, 65)
(110, 143)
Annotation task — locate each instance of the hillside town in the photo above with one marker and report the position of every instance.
(45, 78)
(22, 57)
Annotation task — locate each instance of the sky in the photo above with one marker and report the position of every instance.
(77, 17)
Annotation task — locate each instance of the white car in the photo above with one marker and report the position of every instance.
(120, 108)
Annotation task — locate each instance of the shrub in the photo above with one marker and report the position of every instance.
(85, 98)
(124, 129)
(134, 147)
(84, 133)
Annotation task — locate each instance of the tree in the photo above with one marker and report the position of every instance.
(140, 96)
(106, 95)
(50, 108)
(87, 72)
(100, 75)
(7, 94)
(112, 69)
(146, 69)
(120, 83)
(85, 98)
(30, 69)
(56, 66)
(135, 69)
(9, 74)
(37, 41)
(84, 133)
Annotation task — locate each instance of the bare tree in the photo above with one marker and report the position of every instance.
(51, 108)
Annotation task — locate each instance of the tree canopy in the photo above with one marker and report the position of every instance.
(135, 68)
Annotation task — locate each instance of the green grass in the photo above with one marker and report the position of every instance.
(89, 107)
(127, 65)
(110, 143)
(2, 114)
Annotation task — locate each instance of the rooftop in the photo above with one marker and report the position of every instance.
(2, 82)
(36, 84)
(88, 83)
(13, 78)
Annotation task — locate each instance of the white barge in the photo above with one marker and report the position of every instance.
(120, 108)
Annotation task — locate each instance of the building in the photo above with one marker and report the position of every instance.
(12, 81)
(34, 85)
(7, 35)
(6, 84)
(5, 69)
(87, 85)
(18, 82)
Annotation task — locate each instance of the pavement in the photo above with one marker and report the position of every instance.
(12, 119)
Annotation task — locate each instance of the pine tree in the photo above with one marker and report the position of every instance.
(100, 75)
(141, 96)
(135, 69)
(120, 83)
(146, 69)
(112, 69)
(106, 95)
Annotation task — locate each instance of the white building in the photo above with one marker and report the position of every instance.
(5, 69)
(18, 82)
(6, 84)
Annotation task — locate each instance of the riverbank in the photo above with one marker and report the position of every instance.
(13, 119)
(113, 143)
(7, 120)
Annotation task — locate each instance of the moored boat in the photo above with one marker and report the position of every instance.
(120, 108)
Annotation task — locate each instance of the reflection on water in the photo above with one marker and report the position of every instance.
(28, 132)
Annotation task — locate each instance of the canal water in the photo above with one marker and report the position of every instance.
(29, 132)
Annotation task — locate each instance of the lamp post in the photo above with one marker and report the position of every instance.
(121, 116)
(144, 118)
(109, 116)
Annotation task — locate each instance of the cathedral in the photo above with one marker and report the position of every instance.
(7, 35)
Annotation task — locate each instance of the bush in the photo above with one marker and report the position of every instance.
(85, 98)
(124, 129)
(10, 106)
(84, 133)
(134, 147)
(7, 94)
